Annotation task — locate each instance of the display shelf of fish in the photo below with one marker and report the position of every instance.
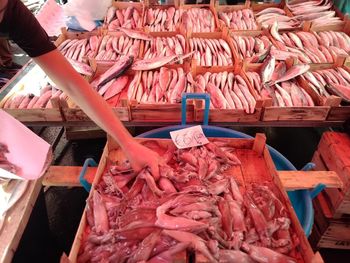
(253, 48)
(4, 162)
(210, 51)
(332, 81)
(227, 90)
(319, 12)
(202, 202)
(113, 47)
(238, 19)
(165, 46)
(267, 17)
(124, 15)
(162, 19)
(198, 20)
(161, 86)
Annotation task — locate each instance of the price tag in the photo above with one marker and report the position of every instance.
(189, 137)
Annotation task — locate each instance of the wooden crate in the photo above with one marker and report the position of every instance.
(123, 5)
(210, 6)
(229, 8)
(251, 33)
(257, 166)
(215, 35)
(227, 115)
(109, 63)
(162, 7)
(332, 154)
(274, 113)
(140, 112)
(166, 34)
(338, 111)
(79, 35)
(329, 233)
(344, 26)
(32, 115)
(119, 106)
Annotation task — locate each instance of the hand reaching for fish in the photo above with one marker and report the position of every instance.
(141, 157)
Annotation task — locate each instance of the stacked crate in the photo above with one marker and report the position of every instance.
(332, 206)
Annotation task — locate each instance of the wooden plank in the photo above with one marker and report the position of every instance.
(336, 236)
(160, 112)
(78, 133)
(293, 180)
(67, 175)
(31, 115)
(317, 113)
(259, 143)
(16, 221)
(228, 115)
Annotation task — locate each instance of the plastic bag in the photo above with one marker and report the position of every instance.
(81, 25)
(87, 12)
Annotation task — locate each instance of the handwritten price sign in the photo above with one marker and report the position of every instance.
(189, 137)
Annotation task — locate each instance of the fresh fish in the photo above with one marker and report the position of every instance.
(115, 71)
(116, 87)
(267, 69)
(293, 72)
(148, 64)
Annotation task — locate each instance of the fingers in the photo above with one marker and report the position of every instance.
(155, 170)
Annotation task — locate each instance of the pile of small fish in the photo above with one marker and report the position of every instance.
(305, 47)
(160, 86)
(198, 20)
(4, 162)
(313, 47)
(130, 18)
(164, 46)
(159, 20)
(271, 15)
(239, 20)
(227, 91)
(195, 203)
(252, 47)
(211, 52)
(330, 81)
(30, 101)
(288, 94)
(278, 83)
(113, 47)
(77, 51)
(337, 42)
(318, 12)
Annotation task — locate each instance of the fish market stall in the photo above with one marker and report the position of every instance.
(216, 199)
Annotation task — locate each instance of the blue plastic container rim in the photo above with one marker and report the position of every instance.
(307, 215)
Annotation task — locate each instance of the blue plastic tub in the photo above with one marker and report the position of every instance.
(301, 199)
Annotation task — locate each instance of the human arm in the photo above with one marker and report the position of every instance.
(76, 87)
(20, 25)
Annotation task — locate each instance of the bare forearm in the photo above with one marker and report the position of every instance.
(76, 87)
